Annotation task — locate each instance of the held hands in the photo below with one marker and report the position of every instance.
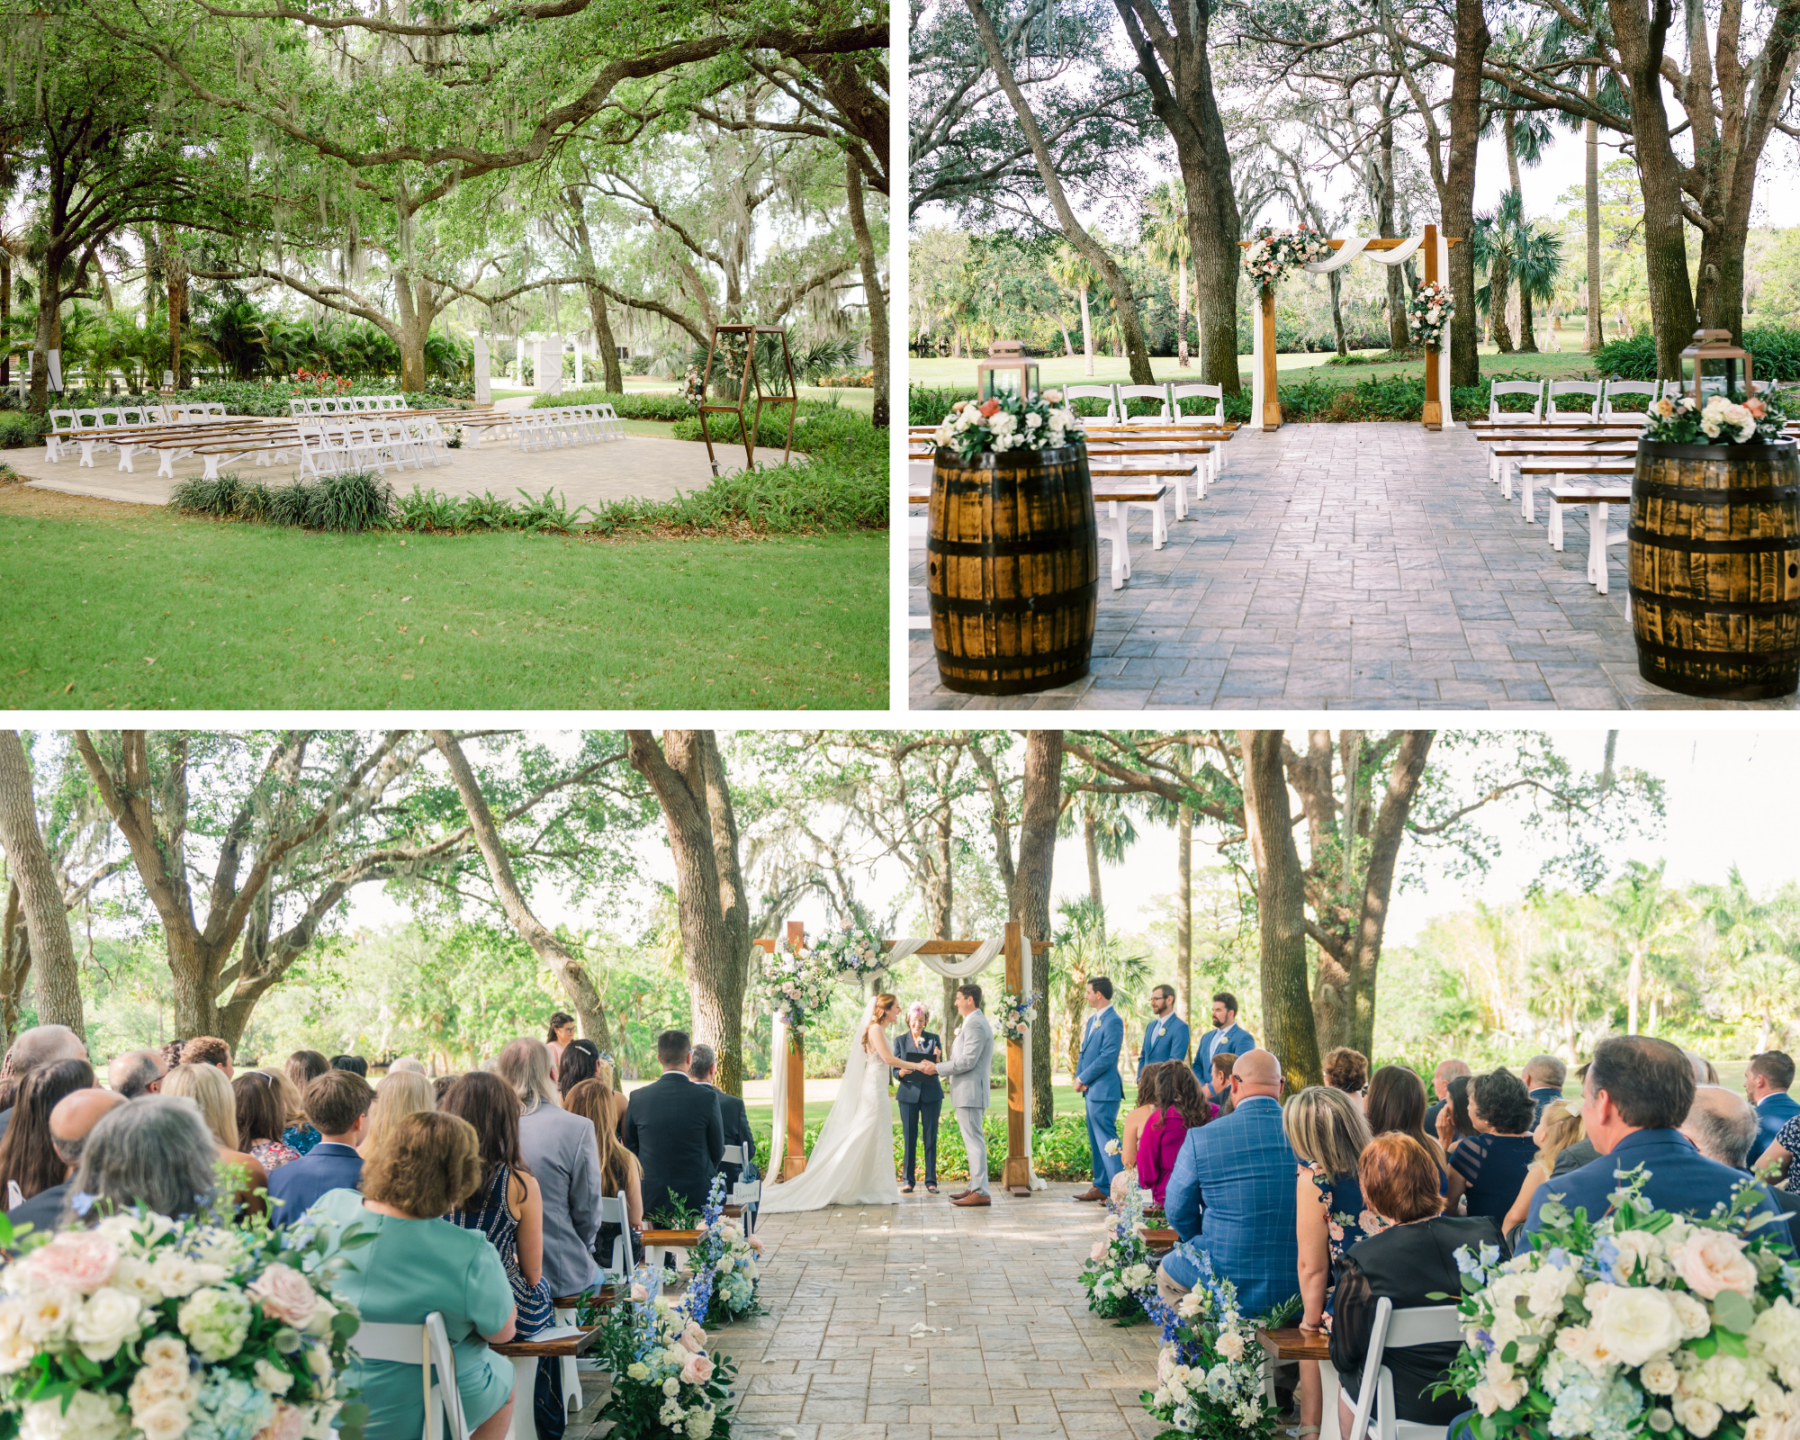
(927, 1068)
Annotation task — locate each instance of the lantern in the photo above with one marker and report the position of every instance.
(1006, 368)
(1714, 347)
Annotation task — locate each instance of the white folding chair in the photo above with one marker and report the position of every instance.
(1095, 392)
(1574, 387)
(1533, 388)
(610, 428)
(1397, 1330)
(1649, 388)
(1159, 393)
(749, 1192)
(428, 1347)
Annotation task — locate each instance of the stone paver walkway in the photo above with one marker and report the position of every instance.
(1348, 567)
(1016, 1356)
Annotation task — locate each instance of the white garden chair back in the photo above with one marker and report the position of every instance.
(1158, 393)
(1614, 388)
(1215, 393)
(1108, 393)
(1574, 387)
(428, 1347)
(610, 428)
(1397, 1330)
(1533, 388)
(746, 1193)
(62, 427)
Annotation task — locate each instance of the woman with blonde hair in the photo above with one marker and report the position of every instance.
(620, 1172)
(1556, 1132)
(208, 1088)
(1328, 1133)
(399, 1094)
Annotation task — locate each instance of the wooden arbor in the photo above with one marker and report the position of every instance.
(1434, 408)
(747, 376)
(1015, 1177)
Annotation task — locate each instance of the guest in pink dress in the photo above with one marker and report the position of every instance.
(1181, 1107)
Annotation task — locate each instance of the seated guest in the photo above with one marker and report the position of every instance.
(155, 1152)
(675, 1130)
(29, 1163)
(1582, 1152)
(1397, 1107)
(406, 1065)
(1447, 1070)
(1232, 1195)
(355, 1064)
(1453, 1123)
(1544, 1077)
(1488, 1168)
(41, 1045)
(620, 1173)
(169, 1052)
(303, 1067)
(293, 1107)
(1221, 1081)
(1767, 1079)
(1183, 1108)
(561, 1151)
(208, 1050)
(440, 1086)
(1724, 1127)
(1559, 1128)
(1638, 1091)
(580, 1061)
(396, 1097)
(74, 1116)
(1348, 1070)
(1327, 1132)
(604, 1073)
(507, 1206)
(418, 1262)
(337, 1108)
(135, 1073)
(208, 1088)
(702, 1070)
(1410, 1262)
(1149, 1102)
(261, 1117)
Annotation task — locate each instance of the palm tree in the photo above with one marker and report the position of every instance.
(1761, 940)
(1640, 913)
(1106, 834)
(1083, 949)
(1537, 265)
(1493, 245)
(1070, 269)
(1167, 244)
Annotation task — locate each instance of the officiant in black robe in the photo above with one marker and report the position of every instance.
(921, 1097)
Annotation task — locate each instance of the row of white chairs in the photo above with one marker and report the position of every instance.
(91, 424)
(565, 425)
(1169, 394)
(1600, 395)
(346, 404)
(333, 447)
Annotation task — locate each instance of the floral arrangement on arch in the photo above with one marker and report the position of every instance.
(1017, 1013)
(1119, 1275)
(1271, 253)
(795, 981)
(1209, 1374)
(166, 1329)
(724, 1265)
(1644, 1323)
(1008, 422)
(853, 950)
(1722, 420)
(1428, 314)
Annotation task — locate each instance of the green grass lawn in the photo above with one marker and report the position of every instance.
(127, 607)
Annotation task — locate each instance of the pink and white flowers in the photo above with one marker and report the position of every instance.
(1428, 314)
(1722, 420)
(1005, 422)
(1272, 253)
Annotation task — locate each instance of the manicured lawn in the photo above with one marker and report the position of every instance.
(120, 606)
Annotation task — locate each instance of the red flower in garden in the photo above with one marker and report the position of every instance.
(989, 409)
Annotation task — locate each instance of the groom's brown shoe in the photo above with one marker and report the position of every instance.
(959, 1195)
(1093, 1192)
(973, 1197)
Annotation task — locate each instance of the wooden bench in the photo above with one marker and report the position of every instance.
(1596, 496)
(1537, 466)
(657, 1242)
(559, 1343)
(1282, 1346)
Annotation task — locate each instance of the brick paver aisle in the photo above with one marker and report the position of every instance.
(1350, 567)
(1016, 1356)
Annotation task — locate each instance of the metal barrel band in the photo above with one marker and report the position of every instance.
(1037, 544)
(1754, 545)
(1012, 664)
(1753, 609)
(1044, 606)
(1789, 656)
(1707, 495)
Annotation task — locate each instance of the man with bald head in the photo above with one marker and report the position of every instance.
(1441, 1077)
(74, 1116)
(1232, 1193)
(135, 1073)
(1725, 1127)
(41, 1045)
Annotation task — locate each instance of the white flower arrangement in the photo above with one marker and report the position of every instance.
(853, 950)
(1722, 420)
(1272, 253)
(1428, 314)
(174, 1330)
(1017, 1013)
(795, 981)
(1209, 1374)
(667, 1381)
(1006, 422)
(1118, 1275)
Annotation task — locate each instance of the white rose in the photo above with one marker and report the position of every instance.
(132, 1275)
(1581, 1344)
(177, 1276)
(1659, 1377)
(88, 1416)
(1636, 1325)
(107, 1321)
(671, 1387)
(45, 1315)
(1231, 1346)
(165, 1420)
(273, 1378)
(1697, 1417)
(1690, 1314)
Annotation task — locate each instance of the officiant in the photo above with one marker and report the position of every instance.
(921, 1097)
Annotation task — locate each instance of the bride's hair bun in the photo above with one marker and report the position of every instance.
(885, 1002)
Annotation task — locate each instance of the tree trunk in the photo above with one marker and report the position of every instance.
(46, 920)
(871, 278)
(15, 963)
(1090, 840)
(612, 373)
(1087, 331)
(43, 340)
(1527, 338)
(175, 279)
(1594, 338)
(1184, 910)
(1472, 41)
(1386, 836)
(1499, 287)
(1040, 802)
(1337, 312)
(1634, 984)
(568, 969)
(1288, 1031)
(1181, 309)
(416, 315)
(5, 319)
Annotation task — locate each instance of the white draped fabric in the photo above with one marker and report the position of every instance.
(778, 1049)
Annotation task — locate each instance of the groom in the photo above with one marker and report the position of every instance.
(971, 1058)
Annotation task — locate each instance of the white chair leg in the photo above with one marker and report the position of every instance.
(1556, 525)
(1597, 545)
(1122, 549)
(524, 1422)
(1528, 483)
(1159, 524)
(87, 454)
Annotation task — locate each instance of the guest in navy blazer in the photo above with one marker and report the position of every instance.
(1166, 1036)
(337, 1104)
(1767, 1079)
(1637, 1094)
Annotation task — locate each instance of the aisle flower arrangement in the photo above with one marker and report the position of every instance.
(1017, 1013)
(1119, 1274)
(1428, 314)
(665, 1381)
(853, 950)
(1006, 422)
(795, 982)
(1644, 1324)
(1272, 253)
(1209, 1374)
(725, 1266)
(164, 1329)
(1722, 420)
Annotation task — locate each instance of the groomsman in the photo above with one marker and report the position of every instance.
(1097, 1078)
(1166, 1036)
(1226, 1037)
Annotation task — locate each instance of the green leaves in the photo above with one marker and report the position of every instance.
(1733, 1313)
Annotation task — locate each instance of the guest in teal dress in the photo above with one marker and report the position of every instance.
(419, 1262)
(1327, 1132)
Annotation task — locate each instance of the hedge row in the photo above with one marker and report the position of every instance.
(637, 405)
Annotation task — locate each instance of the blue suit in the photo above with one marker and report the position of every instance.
(296, 1185)
(1232, 1193)
(1234, 1039)
(1098, 1069)
(1772, 1112)
(1165, 1038)
(1681, 1179)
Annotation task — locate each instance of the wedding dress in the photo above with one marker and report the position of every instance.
(852, 1162)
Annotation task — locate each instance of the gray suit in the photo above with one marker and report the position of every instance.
(970, 1060)
(564, 1157)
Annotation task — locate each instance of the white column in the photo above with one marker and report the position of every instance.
(549, 365)
(577, 362)
(484, 389)
(518, 360)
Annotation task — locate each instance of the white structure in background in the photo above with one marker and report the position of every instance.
(484, 390)
(549, 365)
(518, 360)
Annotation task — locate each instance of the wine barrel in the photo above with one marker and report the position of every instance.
(1715, 568)
(1012, 561)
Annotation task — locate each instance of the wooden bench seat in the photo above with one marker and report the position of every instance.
(1531, 470)
(1597, 496)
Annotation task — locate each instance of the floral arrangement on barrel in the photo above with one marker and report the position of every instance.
(1209, 1374)
(1722, 420)
(665, 1380)
(1272, 253)
(795, 982)
(1428, 314)
(1119, 1275)
(1017, 1014)
(165, 1329)
(724, 1265)
(1009, 422)
(853, 950)
(1643, 1324)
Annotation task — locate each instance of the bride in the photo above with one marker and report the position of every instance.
(852, 1162)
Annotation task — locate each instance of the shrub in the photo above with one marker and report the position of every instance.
(18, 428)
(654, 405)
(1630, 358)
(349, 503)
